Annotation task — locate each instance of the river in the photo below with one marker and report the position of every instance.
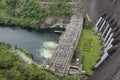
(40, 43)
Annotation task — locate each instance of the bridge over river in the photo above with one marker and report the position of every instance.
(61, 59)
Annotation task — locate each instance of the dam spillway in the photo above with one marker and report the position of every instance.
(106, 31)
(106, 15)
(108, 65)
(62, 56)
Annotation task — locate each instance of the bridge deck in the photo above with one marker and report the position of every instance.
(61, 59)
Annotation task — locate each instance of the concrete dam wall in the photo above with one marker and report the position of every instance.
(98, 8)
(105, 14)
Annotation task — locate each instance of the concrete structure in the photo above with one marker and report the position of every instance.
(61, 59)
(106, 16)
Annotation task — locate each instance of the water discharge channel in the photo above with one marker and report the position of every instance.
(39, 42)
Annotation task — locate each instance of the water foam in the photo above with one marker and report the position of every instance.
(47, 49)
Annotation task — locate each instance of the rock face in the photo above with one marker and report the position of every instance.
(106, 15)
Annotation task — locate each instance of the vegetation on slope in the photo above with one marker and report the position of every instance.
(13, 68)
(27, 53)
(89, 45)
(32, 13)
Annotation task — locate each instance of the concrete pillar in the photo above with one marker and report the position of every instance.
(105, 30)
(98, 22)
(108, 39)
(109, 45)
(107, 34)
(101, 60)
(102, 25)
(104, 57)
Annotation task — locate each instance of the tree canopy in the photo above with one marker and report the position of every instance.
(32, 13)
(13, 68)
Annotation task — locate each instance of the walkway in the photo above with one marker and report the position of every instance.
(24, 57)
(61, 59)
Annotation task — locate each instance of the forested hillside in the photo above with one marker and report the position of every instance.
(32, 13)
(28, 13)
(13, 68)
